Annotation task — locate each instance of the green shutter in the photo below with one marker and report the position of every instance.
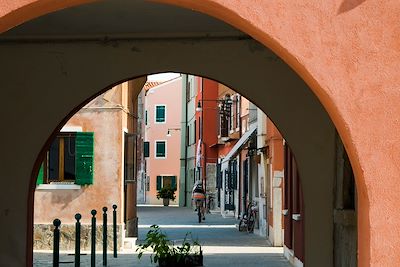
(234, 174)
(160, 149)
(146, 148)
(158, 182)
(39, 179)
(173, 182)
(84, 151)
(160, 113)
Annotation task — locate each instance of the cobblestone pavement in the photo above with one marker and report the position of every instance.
(223, 244)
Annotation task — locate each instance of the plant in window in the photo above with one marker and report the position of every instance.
(166, 193)
(163, 251)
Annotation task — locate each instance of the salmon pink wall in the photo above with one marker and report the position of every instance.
(169, 94)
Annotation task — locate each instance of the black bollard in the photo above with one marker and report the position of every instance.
(78, 240)
(105, 236)
(93, 254)
(115, 229)
(56, 244)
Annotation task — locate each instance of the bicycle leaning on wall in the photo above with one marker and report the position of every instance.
(249, 218)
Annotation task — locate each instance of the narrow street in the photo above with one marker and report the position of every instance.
(222, 243)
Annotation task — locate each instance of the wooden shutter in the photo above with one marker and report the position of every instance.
(160, 113)
(219, 176)
(234, 175)
(173, 182)
(146, 149)
(40, 176)
(160, 149)
(84, 161)
(159, 182)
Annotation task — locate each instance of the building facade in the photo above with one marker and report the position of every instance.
(162, 139)
(91, 157)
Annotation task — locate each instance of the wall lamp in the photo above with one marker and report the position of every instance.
(172, 129)
(226, 101)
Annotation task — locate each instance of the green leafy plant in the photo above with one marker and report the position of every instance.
(164, 250)
(166, 192)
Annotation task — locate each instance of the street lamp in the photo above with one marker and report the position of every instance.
(172, 129)
(226, 101)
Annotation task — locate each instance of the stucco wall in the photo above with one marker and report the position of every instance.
(169, 94)
(242, 64)
(108, 173)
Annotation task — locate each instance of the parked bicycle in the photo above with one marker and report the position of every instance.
(210, 203)
(249, 218)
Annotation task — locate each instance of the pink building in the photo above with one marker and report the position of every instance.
(163, 138)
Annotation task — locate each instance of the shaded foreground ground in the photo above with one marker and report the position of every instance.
(223, 245)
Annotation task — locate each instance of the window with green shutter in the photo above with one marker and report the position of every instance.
(40, 176)
(160, 113)
(160, 149)
(159, 182)
(84, 160)
(69, 159)
(146, 149)
(173, 182)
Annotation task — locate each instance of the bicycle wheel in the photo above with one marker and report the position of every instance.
(242, 225)
(199, 213)
(212, 205)
(250, 223)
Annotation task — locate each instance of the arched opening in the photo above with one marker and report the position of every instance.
(78, 64)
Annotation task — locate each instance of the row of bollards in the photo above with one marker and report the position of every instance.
(78, 217)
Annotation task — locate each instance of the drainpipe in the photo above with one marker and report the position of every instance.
(202, 138)
(186, 143)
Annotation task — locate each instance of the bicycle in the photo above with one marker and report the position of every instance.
(210, 203)
(199, 207)
(249, 218)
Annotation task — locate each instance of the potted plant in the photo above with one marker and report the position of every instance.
(166, 193)
(189, 254)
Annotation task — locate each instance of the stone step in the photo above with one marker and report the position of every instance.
(129, 243)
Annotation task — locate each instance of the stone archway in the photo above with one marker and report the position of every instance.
(317, 41)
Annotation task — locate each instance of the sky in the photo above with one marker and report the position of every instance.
(163, 76)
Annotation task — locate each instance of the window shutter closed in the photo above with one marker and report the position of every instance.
(160, 149)
(160, 113)
(39, 179)
(158, 182)
(173, 182)
(84, 159)
(219, 176)
(234, 174)
(146, 149)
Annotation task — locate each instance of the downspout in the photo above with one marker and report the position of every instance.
(202, 138)
(186, 142)
(241, 195)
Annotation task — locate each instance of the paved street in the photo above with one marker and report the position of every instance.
(222, 243)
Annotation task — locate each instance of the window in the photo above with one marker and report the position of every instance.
(146, 149)
(161, 149)
(69, 160)
(160, 114)
(145, 117)
(224, 117)
(163, 181)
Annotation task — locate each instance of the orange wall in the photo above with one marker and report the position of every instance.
(350, 63)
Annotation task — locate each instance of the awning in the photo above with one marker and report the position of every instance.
(238, 145)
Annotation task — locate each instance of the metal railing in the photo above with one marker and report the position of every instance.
(78, 217)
